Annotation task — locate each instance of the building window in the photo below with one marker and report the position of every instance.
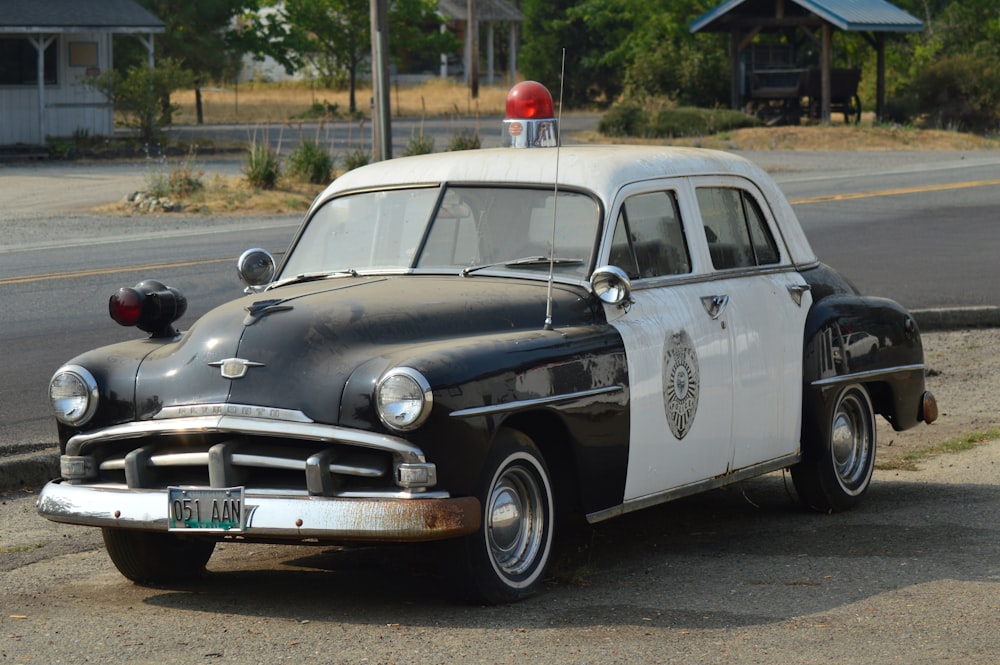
(83, 54)
(19, 62)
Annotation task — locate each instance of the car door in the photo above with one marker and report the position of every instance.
(766, 305)
(679, 351)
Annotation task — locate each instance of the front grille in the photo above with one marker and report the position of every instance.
(259, 463)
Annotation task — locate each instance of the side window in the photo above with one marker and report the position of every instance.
(735, 228)
(764, 248)
(649, 239)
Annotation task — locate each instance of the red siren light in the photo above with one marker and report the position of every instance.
(125, 306)
(529, 100)
(150, 306)
(530, 120)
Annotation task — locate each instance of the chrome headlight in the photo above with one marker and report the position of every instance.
(73, 393)
(403, 399)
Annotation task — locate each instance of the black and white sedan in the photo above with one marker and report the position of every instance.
(474, 345)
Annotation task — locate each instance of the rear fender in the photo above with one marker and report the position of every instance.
(873, 341)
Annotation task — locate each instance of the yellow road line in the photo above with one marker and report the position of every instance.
(895, 192)
(107, 271)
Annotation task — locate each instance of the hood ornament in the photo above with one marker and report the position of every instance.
(234, 368)
(262, 308)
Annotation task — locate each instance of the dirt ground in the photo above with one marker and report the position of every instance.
(963, 372)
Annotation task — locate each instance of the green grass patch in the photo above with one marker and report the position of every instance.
(909, 461)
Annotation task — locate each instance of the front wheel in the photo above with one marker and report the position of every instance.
(154, 558)
(838, 462)
(506, 558)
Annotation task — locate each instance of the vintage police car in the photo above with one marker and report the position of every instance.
(470, 346)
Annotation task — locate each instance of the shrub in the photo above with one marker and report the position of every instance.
(320, 110)
(624, 119)
(311, 163)
(263, 166)
(355, 158)
(141, 93)
(960, 92)
(630, 118)
(464, 140)
(178, 180)
(420, 144)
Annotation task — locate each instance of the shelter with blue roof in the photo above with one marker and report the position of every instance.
(768, 39)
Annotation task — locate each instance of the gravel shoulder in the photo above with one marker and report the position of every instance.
(963, 372)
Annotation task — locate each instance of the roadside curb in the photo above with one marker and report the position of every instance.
(28, 470)
(956, 318)
(34, 469)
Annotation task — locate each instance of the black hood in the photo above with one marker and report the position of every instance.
(300, 343)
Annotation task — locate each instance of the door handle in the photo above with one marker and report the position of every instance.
(796, 291)
(715, 305)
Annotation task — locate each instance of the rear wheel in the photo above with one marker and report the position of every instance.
(154, 558)
(506, 558)
(837, 464)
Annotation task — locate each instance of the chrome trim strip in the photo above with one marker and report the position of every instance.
(714, 275)
(870, 374)
(406, 452)
(530, 403)
(694, 488)
(279, 518)
(242, 410)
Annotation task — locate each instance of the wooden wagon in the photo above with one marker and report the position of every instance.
(843, 93)
(776, 87)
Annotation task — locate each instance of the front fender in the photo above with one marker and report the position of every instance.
(115, 368)
(576, 375)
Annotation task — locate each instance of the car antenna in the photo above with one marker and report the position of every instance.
(555, 203)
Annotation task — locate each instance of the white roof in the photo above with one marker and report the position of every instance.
(601, 169)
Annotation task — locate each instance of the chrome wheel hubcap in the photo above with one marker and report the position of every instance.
(515, 521)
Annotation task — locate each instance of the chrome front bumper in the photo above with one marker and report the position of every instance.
(272, 518)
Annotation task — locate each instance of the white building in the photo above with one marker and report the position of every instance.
(47, 49)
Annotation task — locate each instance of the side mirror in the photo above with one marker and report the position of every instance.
(256, 269)
(612, 286)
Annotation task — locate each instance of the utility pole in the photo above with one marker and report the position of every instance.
(472, 41)
(381, 125)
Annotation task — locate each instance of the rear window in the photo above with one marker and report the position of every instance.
(735, 228)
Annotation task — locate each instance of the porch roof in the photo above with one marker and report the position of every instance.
(849, 15)
(49, 16)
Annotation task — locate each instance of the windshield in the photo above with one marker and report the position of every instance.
(460, 229)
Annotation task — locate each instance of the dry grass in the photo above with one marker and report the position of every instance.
(814, 137)
(233, 195)
(281, 102)
(845, 137)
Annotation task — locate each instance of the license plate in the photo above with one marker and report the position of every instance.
(206, 509)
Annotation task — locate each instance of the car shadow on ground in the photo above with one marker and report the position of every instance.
(742, 556)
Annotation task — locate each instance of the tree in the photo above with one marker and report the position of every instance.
(637, 47)
(334, 37)
(199, 36)
(416, 40)
(949, 74)
(546, 31)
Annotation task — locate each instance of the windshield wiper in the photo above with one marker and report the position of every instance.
(314, 276)
(526, 261)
